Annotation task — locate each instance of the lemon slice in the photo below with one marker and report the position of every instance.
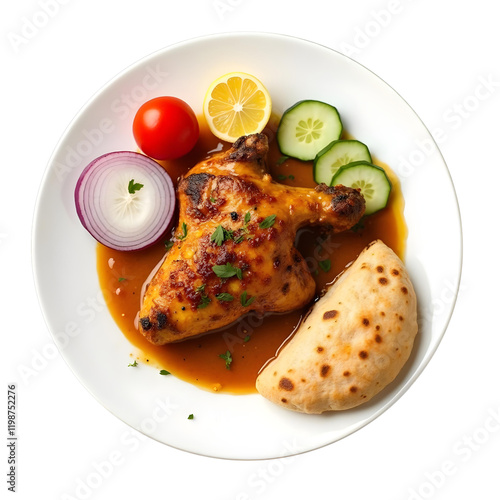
(236, 104)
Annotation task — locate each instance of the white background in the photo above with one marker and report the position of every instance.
(442, 439)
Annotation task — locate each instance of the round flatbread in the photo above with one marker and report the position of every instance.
(353, 342)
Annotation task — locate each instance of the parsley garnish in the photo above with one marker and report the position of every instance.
(191, 417)
(134, 186)
(248, 216)
(246, 339)
(212, 199)
(227, 271)
(227, 358)
(282, 160)
(245, 302)
(122, 279)
(133, 364)
(325, 265)
(268, 222)
(204, 302)
(221, 234)
(218, 235)
(184, 233)
(200, 288)
(164, 372)
(224, 297)
(168, 245)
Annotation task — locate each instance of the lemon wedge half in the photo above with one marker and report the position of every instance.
(236, 104)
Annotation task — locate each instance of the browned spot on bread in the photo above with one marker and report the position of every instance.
(353, 388)
(404, 290)
(346, 373)
(330, 314)
(319, 349)
(378, 338)
(363, 354)
(285, 288)
(380, 269)
(286, 384)
(382, 313)
(401, 318)
(365, 321)
(394, 272)
(383, 281)
(284, 400)
(377, 327)
(325, 369)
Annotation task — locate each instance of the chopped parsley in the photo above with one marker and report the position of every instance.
(227, 358)
(122, 279)
(133, 364)
(169, 244)
(164, 372)
(268, 222)
(134, 186)
(325, 265)
(218, 235)
(224, 297)
(246, 339)
(204, 302)
(184, 230)
(190, 416)
(212, 199)
(227, 271)
(282, 159)
(245, 302)
(200, 288)
(248, 216)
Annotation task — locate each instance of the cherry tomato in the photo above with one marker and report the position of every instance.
(165, 128)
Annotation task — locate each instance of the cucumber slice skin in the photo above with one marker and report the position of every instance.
(352, 150)
(304, 110)
(356, 174)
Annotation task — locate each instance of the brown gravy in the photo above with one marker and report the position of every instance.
(253, 340)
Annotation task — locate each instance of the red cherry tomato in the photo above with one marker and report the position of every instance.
(165, 128)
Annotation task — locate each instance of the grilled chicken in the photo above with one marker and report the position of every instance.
(234, 248)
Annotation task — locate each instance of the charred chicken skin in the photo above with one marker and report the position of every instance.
(234, 248)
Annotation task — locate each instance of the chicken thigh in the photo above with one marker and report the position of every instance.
(233, 250)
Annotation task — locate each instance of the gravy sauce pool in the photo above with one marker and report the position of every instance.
(253, 340)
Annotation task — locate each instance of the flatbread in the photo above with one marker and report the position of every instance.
(353, 342)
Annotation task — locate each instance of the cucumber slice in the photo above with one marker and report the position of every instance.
(336, 154)
(372, 180)
(307, 127)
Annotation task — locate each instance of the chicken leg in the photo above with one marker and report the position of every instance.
(233, 249)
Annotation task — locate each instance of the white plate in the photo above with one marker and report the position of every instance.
(227, 426)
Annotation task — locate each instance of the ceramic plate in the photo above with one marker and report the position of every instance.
(230, 426)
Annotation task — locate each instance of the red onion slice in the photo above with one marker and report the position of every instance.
(117, 218)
